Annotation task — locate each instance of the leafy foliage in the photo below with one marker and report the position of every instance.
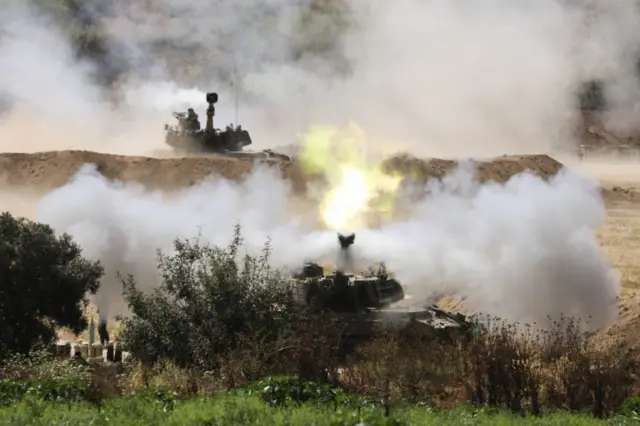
(42, 376)
(49, 390)
(206, 304)
(631, 407)
(288, 391)
(42, 365)
(44, 281)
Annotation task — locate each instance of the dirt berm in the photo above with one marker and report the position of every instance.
(498, 169)
(48, 170)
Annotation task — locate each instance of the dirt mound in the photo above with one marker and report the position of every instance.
(498, 169)
(48, 170)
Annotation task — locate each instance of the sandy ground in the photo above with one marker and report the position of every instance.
(620, 236)
(26, 177)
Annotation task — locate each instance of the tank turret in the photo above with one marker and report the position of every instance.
(342, 291)
(190, 138)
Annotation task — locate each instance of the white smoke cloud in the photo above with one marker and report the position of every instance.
(55, 102)
(39, 74)
(446, 78)
(523, 250)
(123, 224)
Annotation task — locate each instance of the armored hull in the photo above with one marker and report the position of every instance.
(200, 141)
(360, 307)
(349, 320)
(432, 322)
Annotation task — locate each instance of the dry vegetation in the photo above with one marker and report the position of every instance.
(537, 374)
(620, 239)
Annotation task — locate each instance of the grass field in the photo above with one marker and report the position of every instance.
(242, 410)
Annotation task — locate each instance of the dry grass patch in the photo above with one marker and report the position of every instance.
(620, 240)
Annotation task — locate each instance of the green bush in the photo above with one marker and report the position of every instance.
(40, 375)
(42, 365)
(45, 281)
(206, 305)
(46, 390)
(631, 407)
(287, 391)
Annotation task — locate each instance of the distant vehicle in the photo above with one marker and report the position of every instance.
(189, 138)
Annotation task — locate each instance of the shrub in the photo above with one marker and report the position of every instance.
(45, 281)
(286, 391)
(206, 305)
(42, 376)
(559, 368)
(46, 390)
(42, 365)
(631, 407)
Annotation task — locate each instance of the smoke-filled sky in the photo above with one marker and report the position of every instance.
(440, 78)
(443, 78)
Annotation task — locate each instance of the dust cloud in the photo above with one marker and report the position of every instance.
(619, 170)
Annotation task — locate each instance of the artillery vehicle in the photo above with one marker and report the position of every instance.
(187, 137)
(361, 305)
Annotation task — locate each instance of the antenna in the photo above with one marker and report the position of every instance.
(235, 85)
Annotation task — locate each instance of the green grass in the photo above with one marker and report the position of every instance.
(251, 410)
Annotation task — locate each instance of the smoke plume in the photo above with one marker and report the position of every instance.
(124, 224)
(523, 250)
(441, 78)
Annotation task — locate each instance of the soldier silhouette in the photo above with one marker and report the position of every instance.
(192, 120)
(103, 332)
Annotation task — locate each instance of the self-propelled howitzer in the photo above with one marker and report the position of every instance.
(362, 304)
(189, 138)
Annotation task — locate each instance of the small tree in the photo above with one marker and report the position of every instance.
(44, 282)
(206, 304)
